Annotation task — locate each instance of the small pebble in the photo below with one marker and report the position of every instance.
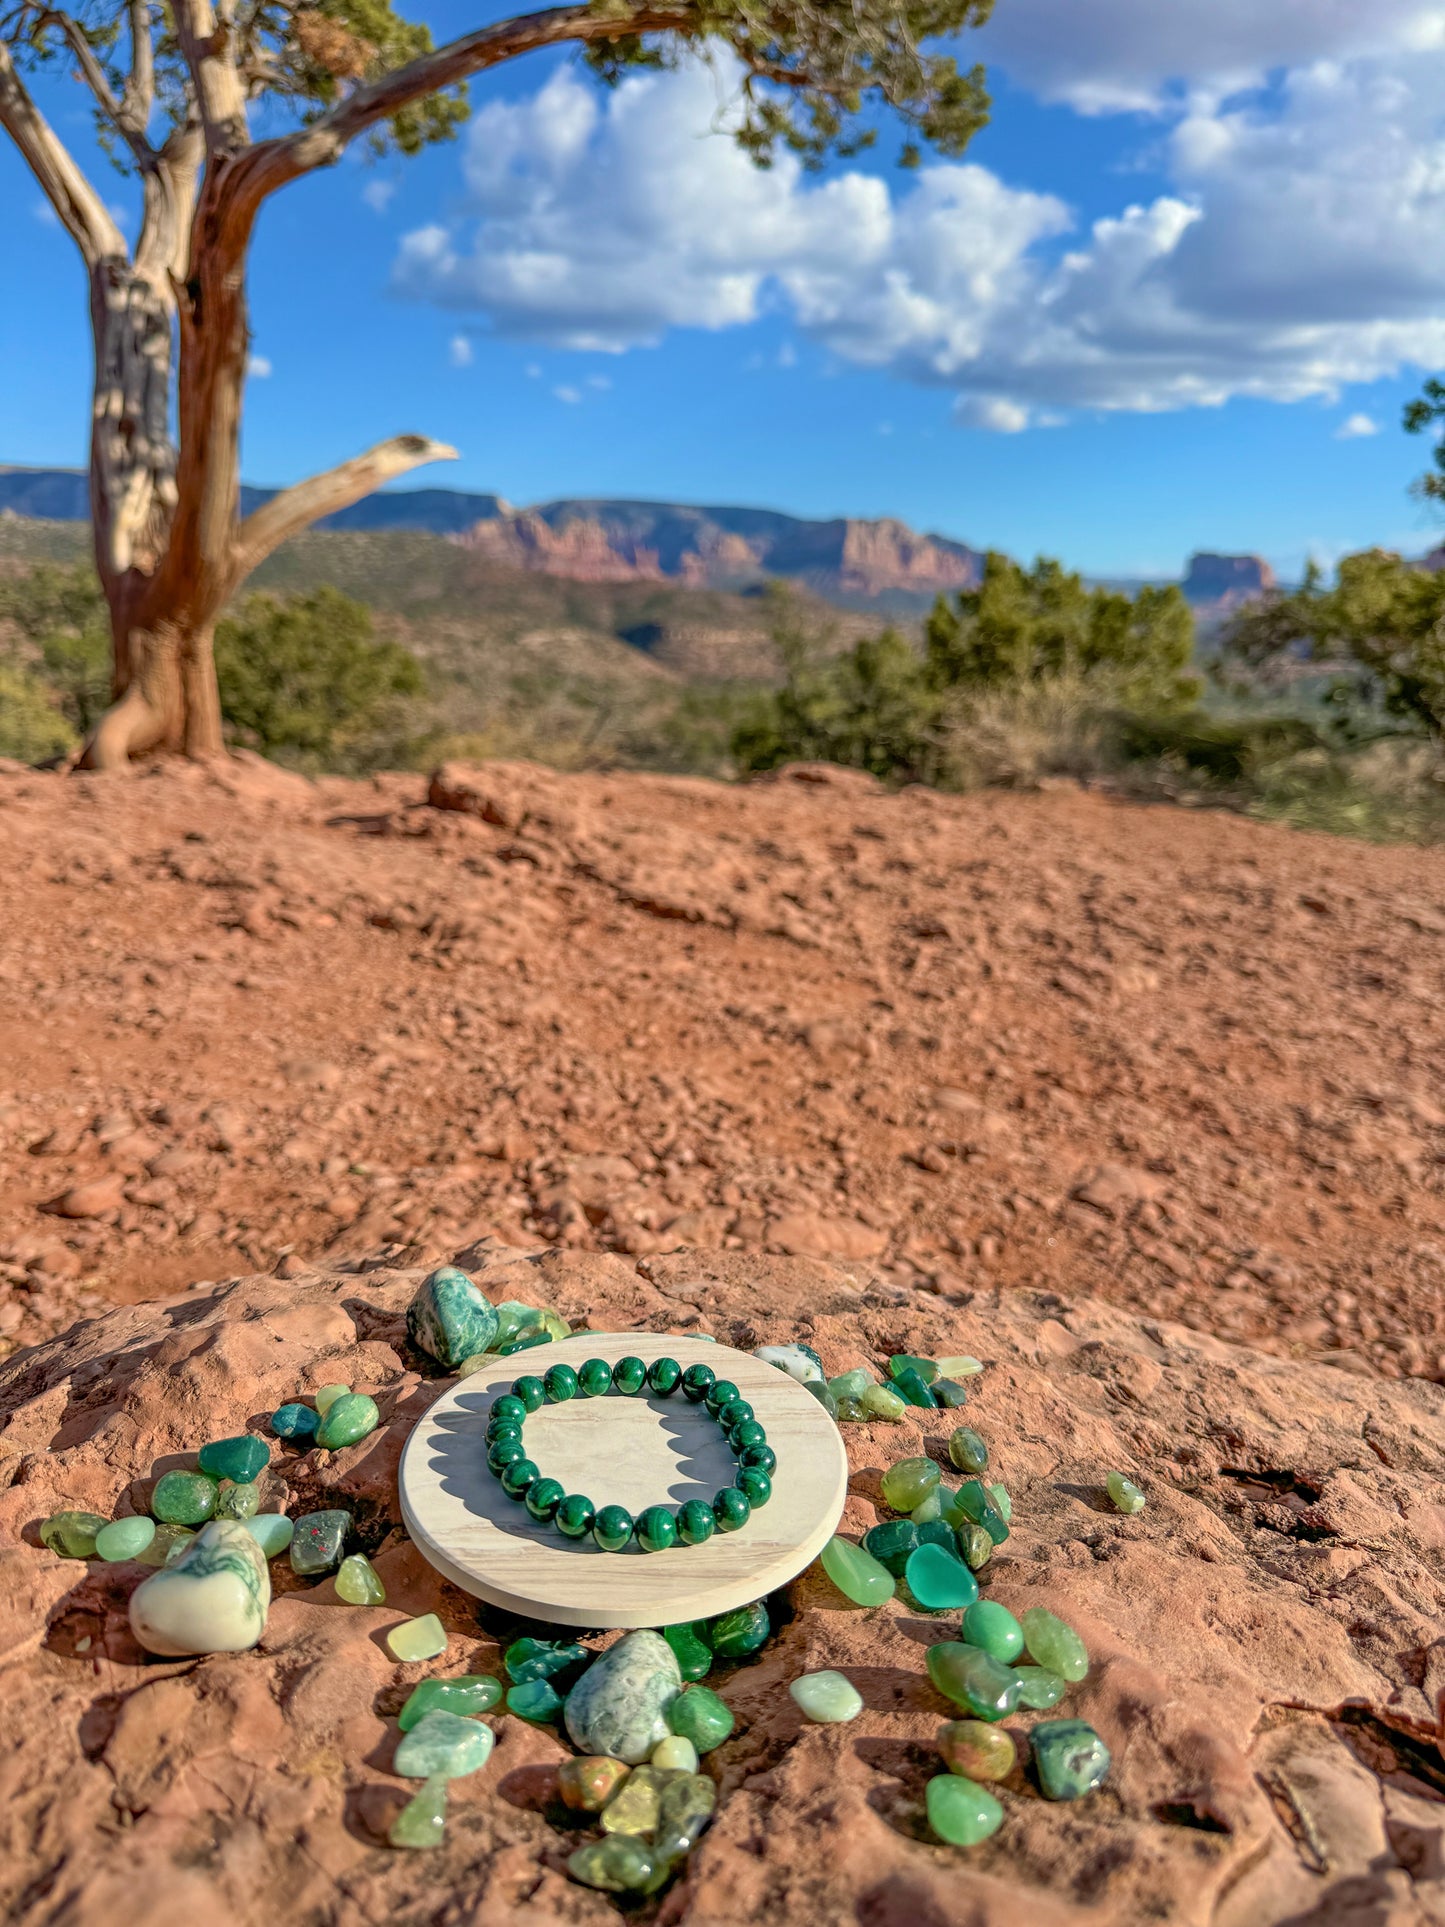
(422, 1821)
(973, 1679)
(827, 1697)
(183, 1498)
(72, 1535)
(938, 1580)
(169, 1542)
(960, 1812)
(467, 1693)
(352, 1417)
(800, 1362)
(317, 1539)
(235, 1501)
(960, 1367)
(241, 1459)
(908, 1483)
(742, 1631)
(675, 1754)
(636, 1806)
(327, 1397)
(413, 1639)
(993, 1627)
(443, 1746)
(124, 1538)
(1039, 1689)
(697, 1714)
(1069, 1758)
(295, 1422)
(856, 1573)
(589, 1780)
(689, 1649)
(358, 1583)
(967, 1450)
(529, 1659)
(271, 1530)
(1054, 1644)
(1126, 1495)
(688, 1803)
(617, 1865)
(536, 1700)
(977, 1750)
(881, 1401)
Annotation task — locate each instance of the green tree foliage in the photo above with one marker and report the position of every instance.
(31, 726)
(62, 617)
(1427, 411)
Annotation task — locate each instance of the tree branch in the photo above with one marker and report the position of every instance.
(83, 214)
(295, 509)
(93, 74)
(205, 41)
(139, 99)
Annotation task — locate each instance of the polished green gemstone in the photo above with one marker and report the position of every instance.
(527, 1342)
(656, 1529)
(974, 1503)
(358, 1582)
(73, 1534)
(930, 1508)
(1001, 1499)
(697, 1382)
(183, 1498)
(327, 1397)
(750, 1432)
(594, 1377)
(529, 1659)
(762, 1456)
(977, 1750)
(414, 1639)
(664, 1375)
(993, 1627)
(629, 1375)
(294, 1422)
(1125, 1494)
(933, 1532)
(735, 1634)
(443, 1746)
(1069, 1758)
(939, 1581)
(537, 1700)
(499, 1429)
(689, 1649)
(721, 1392)
(241, 1459)
(169, 1543)
(422, 1821)
(450, 1319)
(518, 1477)
(237, 1501)
(635, 1807)
(961, 1812)
(124, 1538)
(514, 1320)
(509, 1406)
(890, 1544)
(574, 1516)
(695, 1522)
(881, 1401)
(908, 1482)
(902, 1362)
(271, 1531)
(1041, 1689)
(612, 1528)
(911, 1387)
(733, 1414)
(468, 1694)
(688, 1803)
(697, 1714)
(505, 1452)
(827, 1698)
(974, 1679)
(732, 1509)
(543, 1499)
(816, 1388)
(531, 1390)
(949, 1393)
(561, 1384)
(317, 1539)
(850, 1412)
(755, 1485)
(975, 1548)
(850, 1384)
(618, 1864)
(1055, 1644)
(967, 1450)
(856, 1573)
(350, 1420)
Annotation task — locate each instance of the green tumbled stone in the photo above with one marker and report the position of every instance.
(902, 1362)
(528, 1342)
(656, 1529)
(317, 1539)
(949, 1393)
(692, 1653)
(531, 1390)
(695, 1522)
(169, 1543)
(961, 1366)
(993, 1627)
(594, 1377)
(1126, 1495)
(974, 1679)
(294, 1422)
(327, 1397)
(359, 1583)
(536, 1700)
(851, 1384)
(561, 1384)
(237, 1501)
(697, 1714)
(1040, 1689)
(827, 1698)
(183, 1498)
(732, 1509)
(1001, 1499)
(697, 1382)
(907, 1483)
(850, 1412)
(891, 1543)
(612, 1528)
(350, 1419)
(664, 1375)
(508, 1408)
(449, 1318)
(721, 1392)
(629, 1375)
(911, 1387)
(241, 1459)
(935, 1532)
(977, 1750)
(1055, 1644)
(755, 1485)
(414, 1639)
(617, 1865)
(938, 1581)
(529, 1659)
(856, 1573)
(124, 1539)
(975, 1548)
(974, 1503)
(588, 1782)
(636, 1806)
(930, 1508)
(687, 1804)
(574, 1516)
(967, 1450)
(443, 1746)
(543, 1499)
(518, 1478)
(467, 1694)
(736, 1634)
(72, 1535)
(961, 1812)
(422, 1821)
(880, 1401)
(513, 1320)
(1069, 1758)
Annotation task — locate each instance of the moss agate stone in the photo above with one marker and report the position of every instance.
(977, 1750)
(689, 1648)
(72, 1535)
(414, 1639)
(588, 1781)
(687, 1804)
(241, 1459)
(213, 1599)
(617, 1865)
(359, 1583)
(620, 1704)
(443, 1746)
(1069, 1758)
(826, 1698)
(468, 1694)
(968, 1450)
(1039, 1689)
(350, 1420)
(237, 1501)
(1125, 1495)
(536, 1700)
(294, 1421)
(973, 1679)
(271, 1531)
(856, 1573)
(909, 1482)
(938, 1580)
(741, 1632)
(993, 1627)
(1055, 1644)
(422, 1821)
(697, 1714)
(960, 1812)
(124, 1539)
(636, 1805)
(317, 1539)
(800, 1362)
(975, 1548)
(449, 1318)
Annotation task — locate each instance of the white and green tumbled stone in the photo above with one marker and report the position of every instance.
(443, 1746)
(827, 1697)
(213, 1599)
(449, 1318)
(1069, 1758)
(800, 1362)
(619, 1706)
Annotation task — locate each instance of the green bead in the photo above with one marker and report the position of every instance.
(499, 1429)
(656, 1529)
(891, 1542)
(992, 1627)
(697, 1714)
(1069, 1758)
(169, 1543)
(881, 1401)
(183, 1498)
(443, 1746)
(414, 1639)
(237, 1501)
(612, 1528)
(762, 1456)
(826, 1698)
(327, 1397)
(692, 1653)
(241, 1459)
(664, 1375)
(629, 1375)
(733, 1414)
(851, 1384)
(468, 1694)
(505, 1452)
(949, 1393)
(967, 1450)
(358, 1582)
(938, 1581)
(961, 1812)
(543, 1499)
(73, 1534)
(350, 1420)
(975, 1548)
(977, 1750)
(911, 1387)
(509, 1406)
(422, 1821)
(1054, 1644)
(124, 1538)
(974, 1679)
(317, 1539)
(518, 1477)
(1041, 1689)
(1126, 1495)
(594, 1378)
(561, 1384)
(732, 1509)
(908, 1482)
(529, 1659)
(532, 1391)
(574, 1516)
(618, 1864)
(1002, 1501)
(537, 1700)
(901, 1362)
(856, 1573)
(755, 1485)
(695, 1522)
(721, 1392)
(736, 1634)
(746, 1434)
(697, 1382)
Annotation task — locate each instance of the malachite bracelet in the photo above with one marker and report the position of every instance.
(660, 1527)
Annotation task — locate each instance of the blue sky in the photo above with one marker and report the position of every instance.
(1174, 297)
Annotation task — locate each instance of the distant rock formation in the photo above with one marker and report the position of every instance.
(1227, 580)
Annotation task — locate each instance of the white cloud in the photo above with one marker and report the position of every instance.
(570, 395)
(378, 194)
(1355, 427)
(259, 367)
(459, 352)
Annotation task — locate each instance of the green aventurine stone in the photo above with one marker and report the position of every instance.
(72, 1535)
(536, 1700)
(612, 1528)
(907, 1483)
(442, 1746)
(1001, 1499)
(449, 1318)
(124, 1539)
(687, 1804)
(975, 1548)
(974, 1503)
(960, 1367)
(513, 1319)
(358, 1583)
(317, 1539)
(618, 1865)
(1054, 1644)
(930, 1507)
(183, 1498)
(697, 1714)
(901, 1362)
(938, 1581)
(327, 1397)
(967, 1450)
(594, 1378)
(241, 1459)
(271, 1531)
(413, 1639)
(735, 1634)
(891, 1542)
(960, 1812)
(825, 1398)
(949, 1393)
(1126, 1495)
(695, 1522)
(732, 1509)
(422, 1821)
(528, 1659)
(237, 1501)
(664, 1375)
(629, 1375)
(977, 1750)
(1040, 1688)
(693, 1654)
(1069, 1758)
(910, 1386)
(636, 1805)
(973, 1678)
(350, 1419)
(467, 1694)
(850, 1384)
(169, 1543)
(574, 1517)
(827, 1697)
(993, 1628)
(880, 1401)
(656, 1529)
(856, 1573)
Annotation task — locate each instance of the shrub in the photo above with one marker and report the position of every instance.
(31, 727)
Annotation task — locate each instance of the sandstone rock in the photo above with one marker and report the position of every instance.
(94, 1200)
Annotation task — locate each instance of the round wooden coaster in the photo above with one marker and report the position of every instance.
(633, 1452)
